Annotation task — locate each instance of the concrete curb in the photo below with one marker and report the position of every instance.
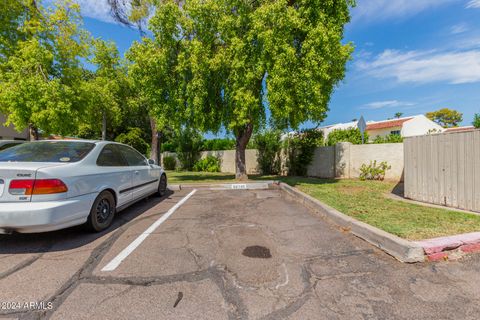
(223, 186)
(403, 250)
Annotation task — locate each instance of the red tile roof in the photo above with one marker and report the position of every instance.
(387, 124)
(460, 129)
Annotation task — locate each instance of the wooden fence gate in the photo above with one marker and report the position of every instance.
(444, 169)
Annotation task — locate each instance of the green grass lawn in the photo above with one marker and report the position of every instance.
(179, 177)
(365, 201)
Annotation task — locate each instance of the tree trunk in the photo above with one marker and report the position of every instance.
(242, 137)
(154, 144)
(104, 125)
(32, 132)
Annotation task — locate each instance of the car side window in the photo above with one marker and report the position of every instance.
(110, 156)
(134, 158)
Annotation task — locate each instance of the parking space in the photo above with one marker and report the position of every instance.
(226, 254)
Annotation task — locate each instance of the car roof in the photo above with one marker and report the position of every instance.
(68, 140)
(97, 142)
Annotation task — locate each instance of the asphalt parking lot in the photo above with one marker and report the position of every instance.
(232, 254)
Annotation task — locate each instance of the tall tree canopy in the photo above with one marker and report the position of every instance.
(40, 63)
(105, 89)
(235, 59)
(445, 117)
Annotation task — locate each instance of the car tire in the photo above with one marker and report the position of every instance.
(102, 212)
(162, 185)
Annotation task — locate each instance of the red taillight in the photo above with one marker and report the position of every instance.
(21, 187)
(49, 186)
(40, 186)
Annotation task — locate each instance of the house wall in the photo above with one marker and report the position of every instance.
(381, 132)
(444, 169)
(9, 133)
(420, 125)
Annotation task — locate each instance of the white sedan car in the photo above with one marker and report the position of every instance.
(51, 185)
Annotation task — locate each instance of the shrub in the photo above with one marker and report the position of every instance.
(218, 144)
(391, 138)
(476, 120)
(189, 143)
(133, 137)
(269, 146)
(300, 149)
(169, 146)
(351, 135)
(169, 163)
(208, 164)
(374, 171)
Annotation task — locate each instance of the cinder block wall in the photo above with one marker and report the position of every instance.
(340, 161)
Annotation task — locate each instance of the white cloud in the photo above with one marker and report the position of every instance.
(374, 10)
(96, 9)
(473, 4)
(424, 66)
(386, 104)
(459, 28)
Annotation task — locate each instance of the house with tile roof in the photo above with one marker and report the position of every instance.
(405, 127)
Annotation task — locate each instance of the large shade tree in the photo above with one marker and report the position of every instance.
(446, 117)
(236, 59)
(40, 63)
(105, 89)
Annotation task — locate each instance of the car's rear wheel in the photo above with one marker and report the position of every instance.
(102, 212)
(162, 185)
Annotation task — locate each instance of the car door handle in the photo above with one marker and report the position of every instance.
(137, 172)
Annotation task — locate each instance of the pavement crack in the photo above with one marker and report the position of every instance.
(86, 269)
(20, 266)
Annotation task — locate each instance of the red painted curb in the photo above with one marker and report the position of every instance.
(437, 256)
(469, 248)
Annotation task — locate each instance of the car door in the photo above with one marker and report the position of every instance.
(116, 172)
(144, 183)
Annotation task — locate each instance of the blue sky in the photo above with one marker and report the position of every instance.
(411, 56)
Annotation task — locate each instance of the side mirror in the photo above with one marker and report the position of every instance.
(151, 161)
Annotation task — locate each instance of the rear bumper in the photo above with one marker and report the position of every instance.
(30, 217)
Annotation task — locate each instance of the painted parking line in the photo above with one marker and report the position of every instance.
(112, 265)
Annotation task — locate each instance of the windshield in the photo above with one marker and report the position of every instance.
(47, 151)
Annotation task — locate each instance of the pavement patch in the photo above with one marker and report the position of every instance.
(257, 252)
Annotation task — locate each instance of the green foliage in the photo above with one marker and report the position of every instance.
(189, 144)
(374, 171)
(218, 144)
(391, 138)
(445, 117)
(40, 66)
(208, 164)
(269, 147)
(476, 120)
(169, 146)
(133, 137)
(300, 149)
(398, 115)
(351, 135)
(213, 64)
(105, 89)
(169, 163)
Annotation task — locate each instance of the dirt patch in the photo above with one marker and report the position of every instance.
(257, 252)
(349, 190)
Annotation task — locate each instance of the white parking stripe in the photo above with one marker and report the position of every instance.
(112, 265)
